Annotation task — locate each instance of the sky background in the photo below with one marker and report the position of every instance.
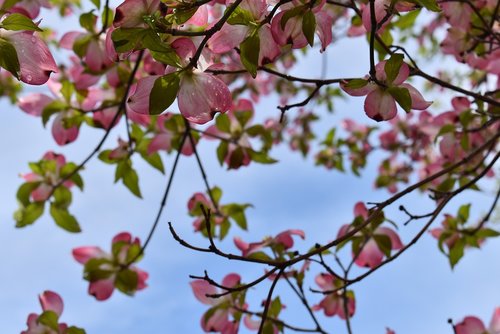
(415, 294)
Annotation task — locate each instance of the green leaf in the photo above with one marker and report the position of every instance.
(97, 3)
(456, 252)
(8, 58)
(224, 229)
(16, 22)
(49, 319)
(216, 194)
(249, 53)
(74, 330)
(383, 243)
(29, 214)
(463, 213)
(7, 4)
(309, 26)
(24, 192)
(64, 219)
(487, 233)
(429, 4)
(52, 108)
(261, 157)
(163, 93)
(392, 67)
(131, 180)
(289, 14)
(356, 83)
(154, 160)
(222, 150)
(87, 21)
(402, 97)
(407, 20)
(240, 16)
(126, 281)
(62, 197)
(223, 123)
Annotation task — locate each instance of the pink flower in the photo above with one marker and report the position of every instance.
(200, 96)
(52, 303)
(334, 303)
(218, 320)
(282, 240)
(380, 104)
(473, 325)
(48, 177)
(105, 271)
(370, 255)
(35, 60)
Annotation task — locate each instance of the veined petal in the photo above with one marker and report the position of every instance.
(417, 100)
(35, 59)
(380, 106)
(102, 289)
(200, 289)
(139, 101)
(470, 325)
(33, 104)
(201, 95)
(85, 253)
(51, 301)
(229, 37)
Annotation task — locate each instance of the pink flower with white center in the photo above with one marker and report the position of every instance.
(473, 325)
(35, 60)
(282, 240)
(380, 104)
(334, 303)
(51, 302)
(370, 255)
(217, 321)
(105, 271)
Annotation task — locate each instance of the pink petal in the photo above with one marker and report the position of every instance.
(201, 95)
(131, 13)
(85, 253)
(61, 134)
(269, 50)
(325, 281)
(370, 255)
(102, 289)
(139, 101)
(324, 22)
(41, 193)
(495, 321)
(202, 288)
(395, 241)
(417, 100)
(123, 236)
(365, 90)
(217, 321)
(240, 244)
(35, 59)
(470, 325)
(51, 301)
(159, 142)
(34, 104)
(231, 280)
(69, 38)
(380, 106)
(142, 276)
(360, 210)
(250, 323)
(229, 37)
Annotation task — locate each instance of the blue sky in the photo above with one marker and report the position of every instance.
(415, 294)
